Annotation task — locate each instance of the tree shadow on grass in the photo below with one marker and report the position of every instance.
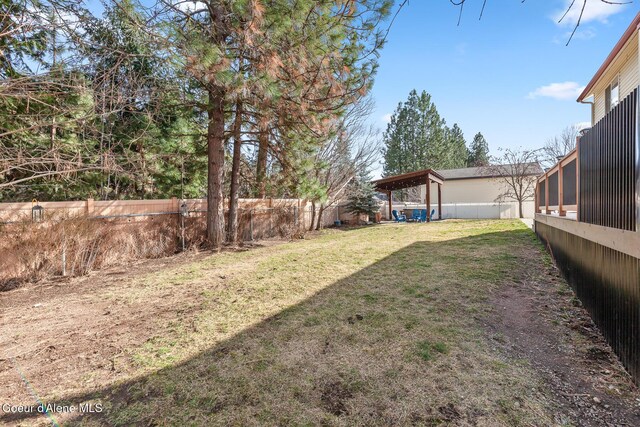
(397, 342)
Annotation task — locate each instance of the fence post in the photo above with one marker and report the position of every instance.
(89, 206)
(561, 210)
(271, 217)
(64, 259)
(64, 252)
(546, 194)
(251, 224)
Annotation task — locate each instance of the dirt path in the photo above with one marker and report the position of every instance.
(540, 320)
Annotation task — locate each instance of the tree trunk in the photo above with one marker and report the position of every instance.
(232, 226)
(520, 209)
(313, 215)
(215, 175)
(320, 212)
(263, 146)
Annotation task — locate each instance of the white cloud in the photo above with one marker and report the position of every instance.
(386, 118)
(594, 10)
(561, 91)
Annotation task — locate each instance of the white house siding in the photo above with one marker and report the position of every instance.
(626, 65)
(475, 198)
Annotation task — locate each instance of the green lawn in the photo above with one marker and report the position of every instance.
(373, 326)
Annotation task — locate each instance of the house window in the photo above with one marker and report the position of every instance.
(612, 94)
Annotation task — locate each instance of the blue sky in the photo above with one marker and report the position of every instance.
(509, 75)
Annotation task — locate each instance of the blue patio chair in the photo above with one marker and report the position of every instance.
(415, 215)
(398, 217)
(423, 215)
(433, 212)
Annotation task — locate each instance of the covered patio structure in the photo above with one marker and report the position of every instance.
(412, 179)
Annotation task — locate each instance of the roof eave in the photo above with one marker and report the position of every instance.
(626, 36)
(490, 176)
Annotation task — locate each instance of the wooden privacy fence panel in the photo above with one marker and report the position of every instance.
(12, 212)
(257, 218)
(607, 159)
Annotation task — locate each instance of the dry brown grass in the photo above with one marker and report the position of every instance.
(34, 251)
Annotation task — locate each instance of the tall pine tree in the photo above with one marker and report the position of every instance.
(456, 153)
(418, 138)
(479, 151)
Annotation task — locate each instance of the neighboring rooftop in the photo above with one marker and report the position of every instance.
(406, 180)
(533, 169)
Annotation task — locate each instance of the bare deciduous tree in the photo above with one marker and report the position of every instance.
(516, 170)
(560, 145)
(350, 152)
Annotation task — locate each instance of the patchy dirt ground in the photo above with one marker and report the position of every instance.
(539, 320)
(452, 323)
(63, 336)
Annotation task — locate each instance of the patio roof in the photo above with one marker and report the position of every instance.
(407, 180)
(412, 179)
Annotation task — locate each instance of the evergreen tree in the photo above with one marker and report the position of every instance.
(418, 138)
(153, 101)
(456, 149)
(361, 197)
(293, 65)
(24, 37)
(478, 152)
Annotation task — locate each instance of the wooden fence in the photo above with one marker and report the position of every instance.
(41, 240)
(258, 217)
(10, 212)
